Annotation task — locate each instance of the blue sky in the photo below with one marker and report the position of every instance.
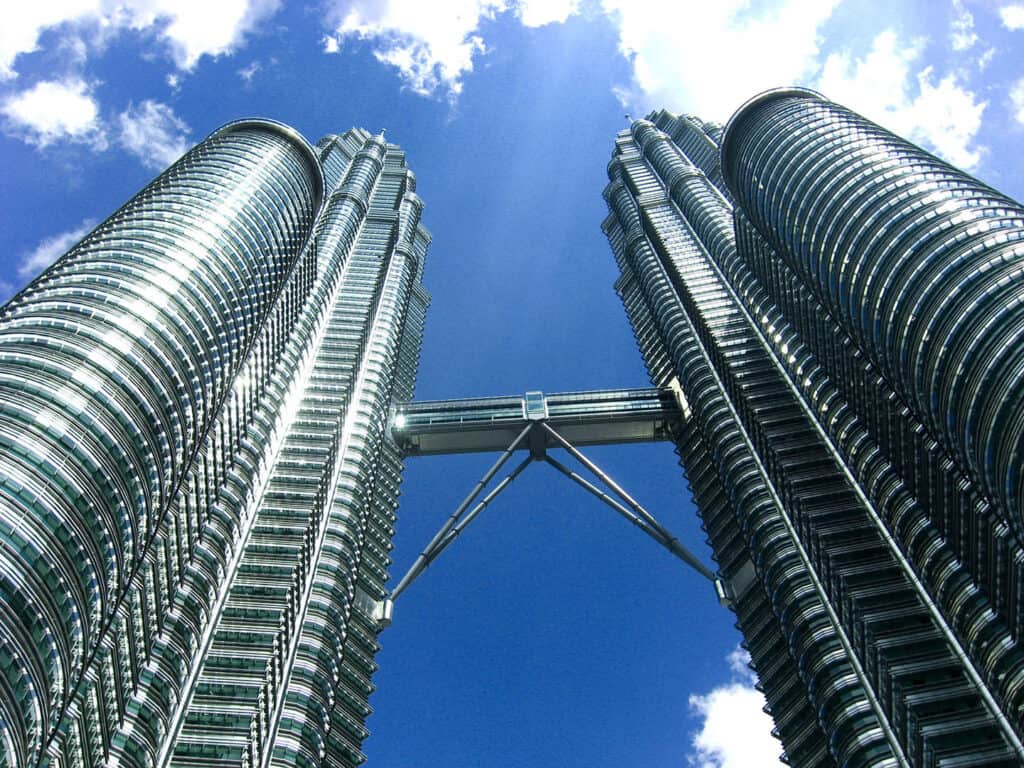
(551, 633)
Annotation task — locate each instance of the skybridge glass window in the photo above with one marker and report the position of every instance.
(535, 406)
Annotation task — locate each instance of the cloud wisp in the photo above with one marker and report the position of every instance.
(153, 133)
(962, 36)
(50, 249)
(1017, 100)
(249, 72)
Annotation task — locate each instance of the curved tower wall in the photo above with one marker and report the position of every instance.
(878, 592)
(196, 485)
(920, 263)
(113, 365)
(286, 674)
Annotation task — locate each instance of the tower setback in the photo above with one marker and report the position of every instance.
(842, 311)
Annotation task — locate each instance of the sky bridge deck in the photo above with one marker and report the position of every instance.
(482, 424)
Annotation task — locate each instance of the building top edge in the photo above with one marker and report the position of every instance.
(285, 130)
(748, 106)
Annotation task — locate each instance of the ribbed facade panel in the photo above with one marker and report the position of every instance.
(213, 370)
(920, 264)
(876, 589)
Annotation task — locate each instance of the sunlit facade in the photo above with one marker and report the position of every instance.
(197, 486)
(843, 313)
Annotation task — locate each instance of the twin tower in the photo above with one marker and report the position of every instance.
(199, 470)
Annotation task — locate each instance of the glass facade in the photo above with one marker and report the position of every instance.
(197, 485)
(840, 309)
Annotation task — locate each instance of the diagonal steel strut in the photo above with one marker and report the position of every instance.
(431, 552)
(633, 503)
(671, 544)
(425, 556)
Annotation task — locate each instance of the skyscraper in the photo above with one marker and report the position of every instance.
(196, 489)
(843, 314)
(197, 483)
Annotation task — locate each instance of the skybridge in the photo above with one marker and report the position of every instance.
(483, 424)
(536, 423)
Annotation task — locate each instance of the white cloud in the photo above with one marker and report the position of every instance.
(709, 57)
(962, 35)
(247, 73)
(54, 110)
(153, 133)
(73, 51)
(985, 59)
(432, 45)
(198, 27)
(330, 44)
(944, 116)
(24, 21)
(189, 28)
(50, 249)
(1012, 16)
(1017, 100)
(736, 733)
(537, 13)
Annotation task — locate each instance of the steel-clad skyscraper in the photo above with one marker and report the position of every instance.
(196, 485)
(843, 313)
(198, 477)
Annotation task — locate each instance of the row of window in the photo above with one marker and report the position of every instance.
(759, 418)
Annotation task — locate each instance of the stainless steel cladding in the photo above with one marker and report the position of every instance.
(920, 263)
(840, 318)
(186, 397)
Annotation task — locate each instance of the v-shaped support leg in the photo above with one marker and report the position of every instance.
(456, 523)
(537, 435)
(640, 517)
